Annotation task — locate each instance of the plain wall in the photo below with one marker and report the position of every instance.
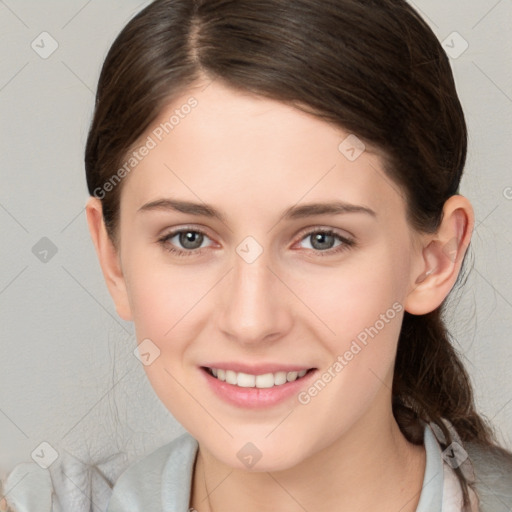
(68, 373)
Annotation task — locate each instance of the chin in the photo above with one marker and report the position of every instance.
(262, 456)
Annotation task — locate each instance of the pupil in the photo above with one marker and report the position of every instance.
(322, 241)
(190, 239)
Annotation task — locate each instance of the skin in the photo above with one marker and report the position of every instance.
(252, 158)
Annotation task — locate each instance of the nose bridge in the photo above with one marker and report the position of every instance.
(253, 307)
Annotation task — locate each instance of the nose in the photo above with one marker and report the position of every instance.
(255, 306)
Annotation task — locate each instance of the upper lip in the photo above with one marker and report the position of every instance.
(258, 369)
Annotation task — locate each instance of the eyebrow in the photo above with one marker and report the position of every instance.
(294, 212)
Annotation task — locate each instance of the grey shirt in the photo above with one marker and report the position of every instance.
(162, 480)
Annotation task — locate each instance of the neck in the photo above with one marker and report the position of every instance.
(370, 467)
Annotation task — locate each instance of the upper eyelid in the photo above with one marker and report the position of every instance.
(313, 229)
(166, 236)
(344, 239)
(175, 231)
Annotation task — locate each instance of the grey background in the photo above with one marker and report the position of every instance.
(68, 373)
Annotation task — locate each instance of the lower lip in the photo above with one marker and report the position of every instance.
(254, 398)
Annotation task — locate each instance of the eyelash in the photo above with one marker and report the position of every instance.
(347, 243)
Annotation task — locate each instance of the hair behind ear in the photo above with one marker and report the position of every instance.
(430, 383)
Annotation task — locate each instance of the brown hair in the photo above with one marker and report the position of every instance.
(372, 67)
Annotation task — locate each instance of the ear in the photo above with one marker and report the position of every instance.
(440, 258)
(109, 258)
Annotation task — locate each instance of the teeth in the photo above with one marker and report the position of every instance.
(291, 376)
(279, 378)
(244, 380)
(231, 377)
(267, 380)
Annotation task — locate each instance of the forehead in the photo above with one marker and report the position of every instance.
(229, 147)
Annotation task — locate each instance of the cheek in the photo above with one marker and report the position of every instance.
(361, 312)
(163, 296)
(363, 309)
(350, 299)
(165, 303)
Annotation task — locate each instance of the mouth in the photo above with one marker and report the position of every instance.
(262, 381)
(261, 389)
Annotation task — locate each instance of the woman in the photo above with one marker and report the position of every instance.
(274, 205)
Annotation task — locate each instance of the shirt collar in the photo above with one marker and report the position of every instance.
(178, 478)
(431, 498)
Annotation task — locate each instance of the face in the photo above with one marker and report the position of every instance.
(229, 266)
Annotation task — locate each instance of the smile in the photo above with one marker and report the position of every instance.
(246, 380)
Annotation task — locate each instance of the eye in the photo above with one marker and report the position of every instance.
(190, 240)
(324, 241)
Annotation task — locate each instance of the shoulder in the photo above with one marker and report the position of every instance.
(493, 476)
(167, 470)
(28, 487)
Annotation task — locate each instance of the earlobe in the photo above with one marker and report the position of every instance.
(108, 257)
(441, 258)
